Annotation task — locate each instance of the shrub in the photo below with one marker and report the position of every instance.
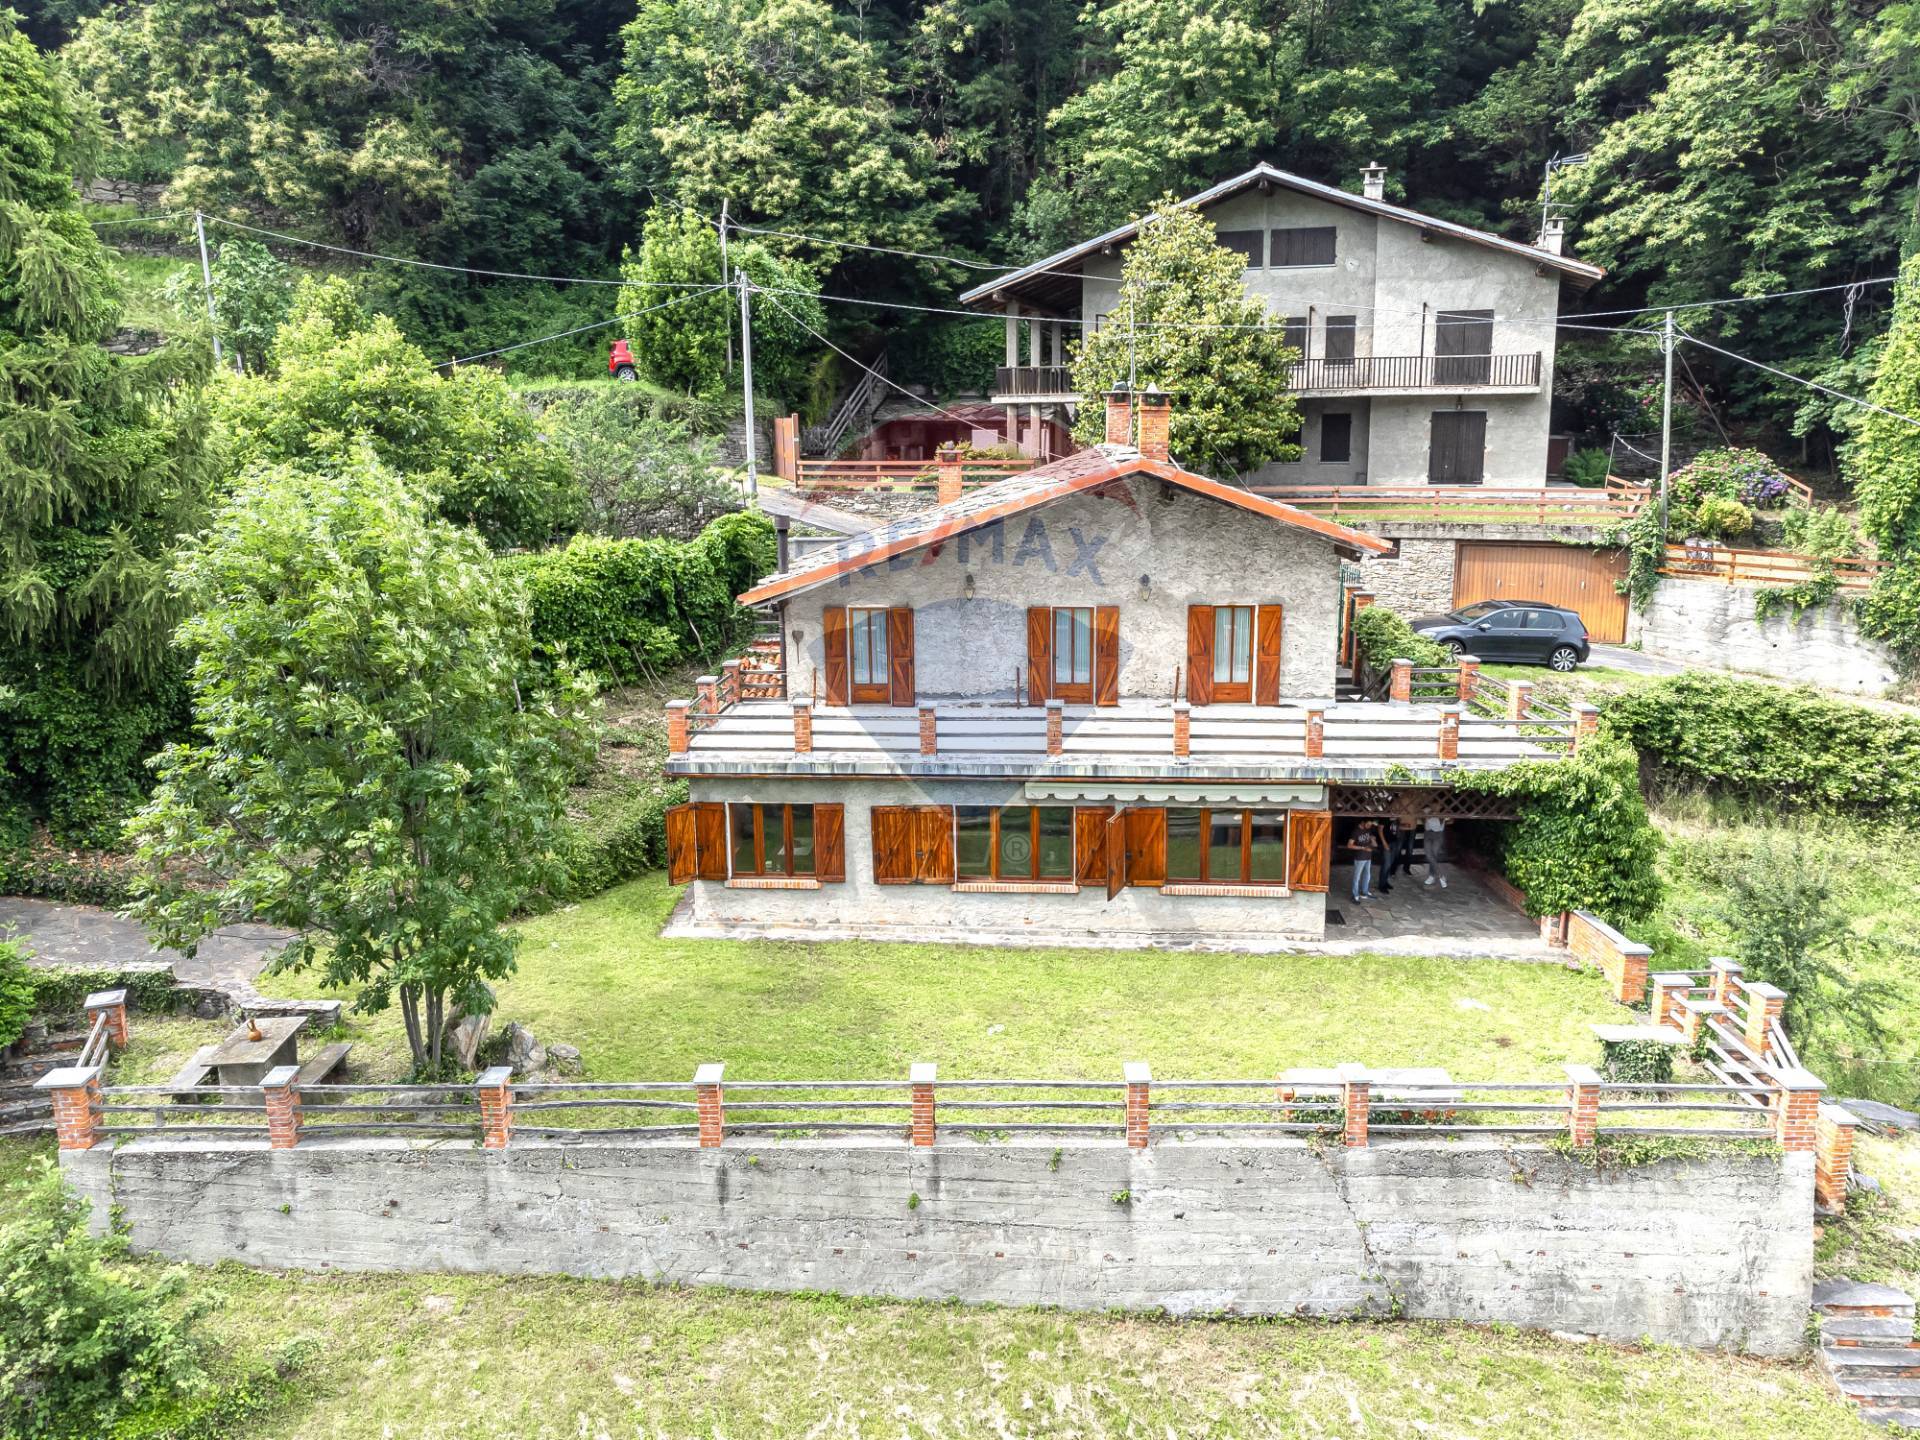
(642, 474)
(623, 843)
(1743, 475)
(1643, 1062)
(17, 992)
(1719, 518)
(1383, 637)
(1586, 467)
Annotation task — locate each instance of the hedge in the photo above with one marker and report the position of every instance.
(1782, 746)
(621, 844)
(1383, 637)
(625, 608)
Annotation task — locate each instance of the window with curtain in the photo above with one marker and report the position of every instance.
(1233, 652)
(1073, 653)
(867, 652)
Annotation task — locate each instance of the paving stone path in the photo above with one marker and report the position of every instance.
(88, 937)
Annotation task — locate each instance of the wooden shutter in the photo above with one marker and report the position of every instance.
(1039, 654)
(710, 834)
(900, 656)
(1340, 335)
(1090, 824)
(1200, 654)
(1116, 849)
(833, 635)
(683, 845)
(1457, 451)
(1266, 656)
(934, 842)
(1309, 848)
(1147, 847)
(1106, 655)
(893, 837)
(829, 843)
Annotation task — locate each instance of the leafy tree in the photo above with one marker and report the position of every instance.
(102, 464)
(644, 474)
(1184, 322)
(375, 766)
(253, 291)
(338, 381)
(1884, 461)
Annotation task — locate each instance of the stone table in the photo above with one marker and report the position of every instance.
(241, 1060)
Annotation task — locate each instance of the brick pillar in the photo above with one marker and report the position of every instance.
(1694, 1018)
(112, 1004)
(1667, 990)
(1832, 1156)
(1056, 722)
(730, 683)
(1553, 929)
(1519, 698)
(1469, 678)
(495, 1088)
(1156, 423)
(947, 486)
(1764, 1003)
(710, 1104)
(1586, 720)
(1796, 1108)
(1726, 979)
(1316, 733)
(280, 1092)
(1583, 1104)
(1450, 733)
(1182, 729)
(1355, 1100)
(921, 1077)
(75, 1093)
(1120, 416)
(1400, 689)
(707, 689)
(1630, 981)
(678, 731)
(1139, 1082)
(803, 726)
(929, 731)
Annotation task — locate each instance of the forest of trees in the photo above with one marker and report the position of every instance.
(1732, 148)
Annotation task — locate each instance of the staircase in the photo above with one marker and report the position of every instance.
(855, 408)
(1867, 1346)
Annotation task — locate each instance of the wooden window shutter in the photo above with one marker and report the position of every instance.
(829, 843)
(1039, 654)
(1309, 848)
(1090, 826)
(900, 656)
(935, 843)
(683, 845)
(833, 636)
(1106, 655)
(1200, 654)
(1266, 656)
(710, 833)
(1116, 853)
(893, 844)
(1147, 847)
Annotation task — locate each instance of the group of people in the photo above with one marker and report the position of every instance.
(1383, 847)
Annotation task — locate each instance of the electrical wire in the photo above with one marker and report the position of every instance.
(1810, 384)
(143, 219)
(578, 329)
(924, 404)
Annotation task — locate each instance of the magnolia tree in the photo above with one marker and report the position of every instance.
(374, 764)
(1184, 322)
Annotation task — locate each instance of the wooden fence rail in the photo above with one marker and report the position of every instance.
(1467, 504)
(1731, 566)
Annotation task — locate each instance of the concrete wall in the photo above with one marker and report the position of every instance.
(1083, 917)
(1709, 623)
(1710, 1252)
(1092, 549)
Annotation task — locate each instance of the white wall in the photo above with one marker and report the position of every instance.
(1711, 624)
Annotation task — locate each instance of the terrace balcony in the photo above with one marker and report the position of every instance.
(1508, 374)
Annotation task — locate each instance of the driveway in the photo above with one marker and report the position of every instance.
(1637, 662)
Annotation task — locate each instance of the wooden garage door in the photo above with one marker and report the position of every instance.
(1577, 577)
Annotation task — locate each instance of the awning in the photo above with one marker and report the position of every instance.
(1172, 792)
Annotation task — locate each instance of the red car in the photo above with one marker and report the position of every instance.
(620, 362)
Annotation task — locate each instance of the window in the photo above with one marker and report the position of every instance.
(867, 647)
(1247, 242)
(771, 839)
(1020, 842)
(1227, 847)
(1073, 654)
(1293, 334)
(1340, 330)
(1336, 439)
(1303, 245)
(1233, 652)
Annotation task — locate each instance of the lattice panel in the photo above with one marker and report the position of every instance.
(1411, 803)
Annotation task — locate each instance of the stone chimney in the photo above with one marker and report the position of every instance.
(1156, 416)
(1553, 236)
(1120, 416)
(1373, 181)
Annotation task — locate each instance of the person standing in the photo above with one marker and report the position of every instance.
(1436, 833)
(1365, 840)
(1388, 834)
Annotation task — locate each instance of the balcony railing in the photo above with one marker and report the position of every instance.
(1363, 372)
(1033, 380)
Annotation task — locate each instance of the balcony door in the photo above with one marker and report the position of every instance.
(1457, 453)
(1463, 347)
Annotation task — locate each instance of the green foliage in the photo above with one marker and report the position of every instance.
(643, 474)
(379, 764)
(623, 609)
(952, 357)
(339, 382)
(1586, 468)
(1720, 518)
(1235, 410)
(62, 992)
(1383, 637)
(17, 992)
(32, 865)
(1745, 476)
(621, 841)
(1646, 546)
(1823, 535)
(253, 296)
(81, 1348)
(1643, 1062)
(1884, 460)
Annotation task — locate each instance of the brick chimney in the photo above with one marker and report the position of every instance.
(1120, 416)
(1156, 415)
(1553, 236)
(1373, 181)
(948, 476)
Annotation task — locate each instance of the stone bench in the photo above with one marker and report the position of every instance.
(191, 1076)
(322, 1063)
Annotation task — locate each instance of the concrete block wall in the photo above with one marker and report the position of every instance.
(1707, 1252)
(1712, 624)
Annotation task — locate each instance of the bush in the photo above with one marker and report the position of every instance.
(627, 839)
(1743, 475)
(17, 992)
(1718, 518)
(625, 608)
(642, 474)
(1383, 637)
(1586, 468)
(1639, 1062)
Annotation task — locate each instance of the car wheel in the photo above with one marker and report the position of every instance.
(1564, 659)
(625, 372)
(1454, 648)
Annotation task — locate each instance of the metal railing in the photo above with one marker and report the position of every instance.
(1419, 372)
(1032, 380)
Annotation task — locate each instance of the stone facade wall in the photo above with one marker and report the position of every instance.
(1418, 581)
(1710, 623)
(1709, 1252)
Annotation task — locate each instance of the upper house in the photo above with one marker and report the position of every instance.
(1093, 700)
(1426, 347)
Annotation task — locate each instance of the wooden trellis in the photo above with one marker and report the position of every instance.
(1410, 804)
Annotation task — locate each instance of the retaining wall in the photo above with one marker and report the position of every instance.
(1713, 1251)
(1711, 623)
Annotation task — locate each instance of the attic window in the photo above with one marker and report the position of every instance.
(1302, 245)
(1246, 242)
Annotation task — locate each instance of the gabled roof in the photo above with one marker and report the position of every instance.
(1578, 271)
(1083, 470)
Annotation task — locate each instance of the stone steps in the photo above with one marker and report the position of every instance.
(1867, 1346)
(1862, 1362)
(1891, 1415)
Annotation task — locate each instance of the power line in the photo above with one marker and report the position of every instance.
(578, 329)
(1679, 305)
(924, 404)
(144, 219)
(1810, 384)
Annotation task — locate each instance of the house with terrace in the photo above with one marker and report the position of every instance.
(1096, 700)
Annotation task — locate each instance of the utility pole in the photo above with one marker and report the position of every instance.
(746, 363)
(206, 281)
(726, 277)
(1666, 421)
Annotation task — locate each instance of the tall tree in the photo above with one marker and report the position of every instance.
(102, 464)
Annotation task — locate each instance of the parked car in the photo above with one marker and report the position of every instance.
(620, 362)
(1525, 632)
